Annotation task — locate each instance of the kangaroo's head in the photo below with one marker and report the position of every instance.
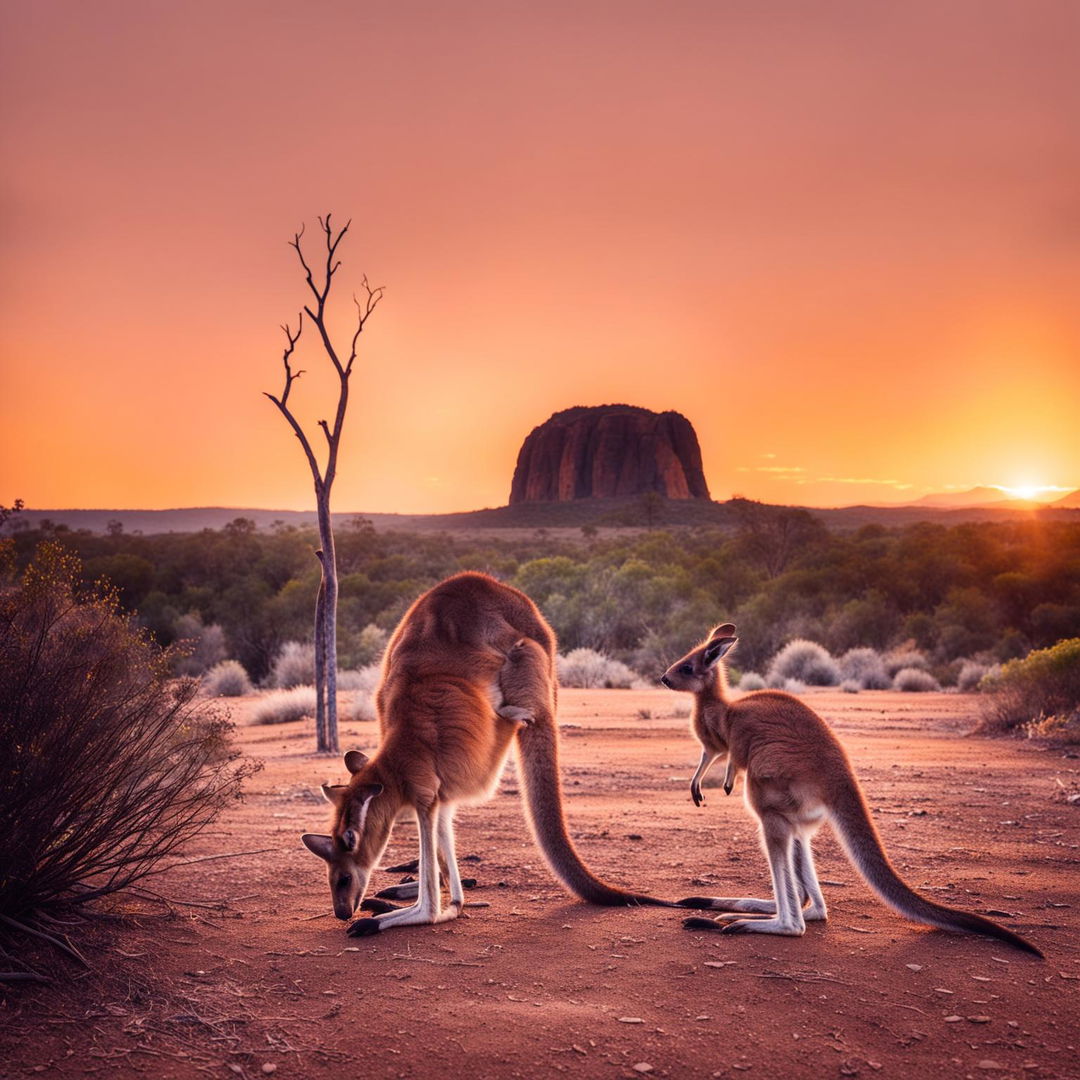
(697, 670)
(359, 835)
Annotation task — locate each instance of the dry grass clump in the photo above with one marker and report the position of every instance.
(107, 765)
(284, 706)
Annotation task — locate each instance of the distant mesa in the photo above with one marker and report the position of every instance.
(606, 451)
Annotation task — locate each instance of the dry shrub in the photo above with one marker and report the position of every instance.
(865, 667)
(914, 680)
(1040, 693)
(751, 680)
(804, 662)
(902, 658)
(227, 679)
(587, 669)
(294, 665)
(106, 766)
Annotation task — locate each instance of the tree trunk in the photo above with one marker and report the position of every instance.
(321, 746)
(329, 596)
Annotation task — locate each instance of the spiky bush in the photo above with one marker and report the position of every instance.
(969, 676)
(284, 706)
(587, 669)
(751, 680)
(1041, 691)
(913, 680)
(294, 665)
(805, 662)
(866, 668)
(851, 686)
(227, 679)
(107, 765)
(899, 659)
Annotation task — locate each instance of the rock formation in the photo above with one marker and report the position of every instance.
(609, 450)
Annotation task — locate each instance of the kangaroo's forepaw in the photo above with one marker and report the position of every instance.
(378, 907)
(698, 923)
(519, 716)
(363, 928)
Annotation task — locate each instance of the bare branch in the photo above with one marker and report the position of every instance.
(290, 375)
(362, 315)
(298, 431)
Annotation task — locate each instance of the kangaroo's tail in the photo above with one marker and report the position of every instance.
(856, 832)
(538, 766)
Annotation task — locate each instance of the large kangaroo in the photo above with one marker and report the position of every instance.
(797, 776)
(471, 665)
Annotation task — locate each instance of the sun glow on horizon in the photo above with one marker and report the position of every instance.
(1032, 492)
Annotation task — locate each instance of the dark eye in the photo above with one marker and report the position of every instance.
(686, 669)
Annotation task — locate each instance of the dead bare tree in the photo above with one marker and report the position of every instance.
(326, 727)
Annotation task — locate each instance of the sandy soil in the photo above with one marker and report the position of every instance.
(244, 971)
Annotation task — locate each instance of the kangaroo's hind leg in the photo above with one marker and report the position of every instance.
(779, 839)
(807, 878)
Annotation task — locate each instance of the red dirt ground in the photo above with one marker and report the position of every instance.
(244, 971)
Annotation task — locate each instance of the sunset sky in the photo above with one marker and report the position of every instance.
(842, 238)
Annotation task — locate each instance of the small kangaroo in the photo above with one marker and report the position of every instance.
(797, 777)
(470, 667)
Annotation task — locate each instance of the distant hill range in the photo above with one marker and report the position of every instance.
(612, 512)
(995, 498)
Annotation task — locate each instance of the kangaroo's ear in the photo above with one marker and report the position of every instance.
(717, 648)
(323, 846)
(355, 761)
(724, 630)
(335, 794)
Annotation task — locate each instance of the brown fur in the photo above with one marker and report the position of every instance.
(471, 666)
(797, 775)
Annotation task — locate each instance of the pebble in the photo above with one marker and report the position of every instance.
(631, 1020)
(990, 1065)
(979, 1019)
(643, 1067)
(268, 1068)
(913, 967)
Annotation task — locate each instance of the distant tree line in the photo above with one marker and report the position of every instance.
(980, 589)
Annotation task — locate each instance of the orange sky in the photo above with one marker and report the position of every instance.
(843, 238)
